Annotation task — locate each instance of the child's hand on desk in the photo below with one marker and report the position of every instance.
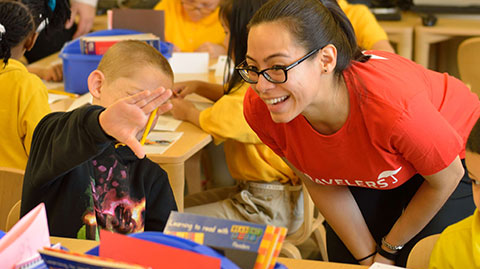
(51, 73)
(126, 119)
(182, 89)
(181, 108)
(185, 110)
(214, 50)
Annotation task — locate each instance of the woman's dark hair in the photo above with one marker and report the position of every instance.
(236, 14)
(314, 24)
(17, 22)
(54, 12)
(473, 141)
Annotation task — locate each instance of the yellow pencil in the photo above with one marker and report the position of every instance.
(73, 95)
(149, 125)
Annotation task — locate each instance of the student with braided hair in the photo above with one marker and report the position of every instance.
(24, 97)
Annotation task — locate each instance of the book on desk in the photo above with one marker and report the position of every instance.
(247, 244)
(98, 45)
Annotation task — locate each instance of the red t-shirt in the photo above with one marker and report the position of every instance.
(404, 119)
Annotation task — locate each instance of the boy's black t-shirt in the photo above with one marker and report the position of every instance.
(85, 182)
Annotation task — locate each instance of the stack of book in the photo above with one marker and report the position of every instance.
(249, 245)
(98, 45)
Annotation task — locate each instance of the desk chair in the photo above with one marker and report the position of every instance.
(311, 226)
(11, 183)
(13, 215)
(419, 257)
(468, 60)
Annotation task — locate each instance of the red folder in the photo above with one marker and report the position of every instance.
(154, 255)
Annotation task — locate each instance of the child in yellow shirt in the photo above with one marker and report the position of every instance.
(24, 97)
(370, 35)
(193, 26)
(459, 244)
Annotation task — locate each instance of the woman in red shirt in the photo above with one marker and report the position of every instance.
(378, 140)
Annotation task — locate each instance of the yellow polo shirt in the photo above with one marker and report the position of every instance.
(458, 245)
(184, 33)
(246, 156)
(367, 29)
(24, 102)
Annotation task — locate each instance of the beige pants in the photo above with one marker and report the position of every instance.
(262, 203)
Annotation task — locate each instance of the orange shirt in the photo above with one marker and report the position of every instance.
(403, 120)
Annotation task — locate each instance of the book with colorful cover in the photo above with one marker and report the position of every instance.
(98, 45)
(247, 244)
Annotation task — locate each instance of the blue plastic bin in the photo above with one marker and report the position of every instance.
(77, 66)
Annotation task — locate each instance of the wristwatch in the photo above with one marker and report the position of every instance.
(390, 246)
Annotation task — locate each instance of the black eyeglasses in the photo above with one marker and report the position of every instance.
(275, 74)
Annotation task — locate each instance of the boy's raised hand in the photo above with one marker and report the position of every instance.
(127, 117)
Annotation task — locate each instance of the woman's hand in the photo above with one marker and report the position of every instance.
(381, 259)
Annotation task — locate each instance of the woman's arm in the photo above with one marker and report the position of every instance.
(426, 202)
(339, 208)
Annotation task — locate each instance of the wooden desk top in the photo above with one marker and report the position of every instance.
(452, 25)
(192, 140)
(79, 245)
(409, 20)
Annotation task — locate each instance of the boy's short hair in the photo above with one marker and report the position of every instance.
(124, 57)
(473, 142)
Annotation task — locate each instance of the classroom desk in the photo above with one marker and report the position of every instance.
(99, 23)
(183, 153)
(79, 245)
(445, 28)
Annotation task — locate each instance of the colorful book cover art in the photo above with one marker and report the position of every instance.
(195, 237)
(282, 233)
(249, 245)
(265, 249)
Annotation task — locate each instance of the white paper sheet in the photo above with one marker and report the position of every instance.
(52, 98)
(80, 101)
(166, 122)
(161, 141)
(189, 62)
(378, 265)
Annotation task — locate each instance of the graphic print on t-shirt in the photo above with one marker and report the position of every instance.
(113, 207)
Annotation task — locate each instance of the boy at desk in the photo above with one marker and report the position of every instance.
(77, 166)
